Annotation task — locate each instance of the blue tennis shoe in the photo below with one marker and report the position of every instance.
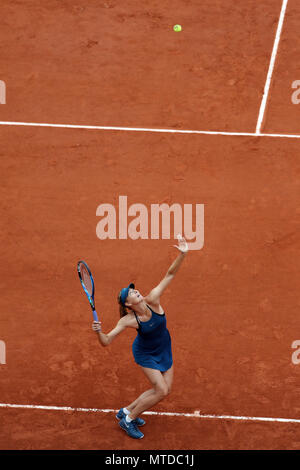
(131, 429)
(137, 421)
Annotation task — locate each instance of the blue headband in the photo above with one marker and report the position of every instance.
(124, 293)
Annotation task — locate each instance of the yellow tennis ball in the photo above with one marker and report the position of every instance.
(177, 27)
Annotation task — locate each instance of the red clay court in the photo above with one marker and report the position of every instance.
(104, 99)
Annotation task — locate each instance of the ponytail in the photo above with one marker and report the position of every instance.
(122, 308)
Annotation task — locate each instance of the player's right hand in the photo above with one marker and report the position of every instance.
(96, 325)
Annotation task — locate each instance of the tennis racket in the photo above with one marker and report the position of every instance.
(88, 285)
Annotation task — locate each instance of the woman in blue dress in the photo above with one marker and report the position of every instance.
(151, 348)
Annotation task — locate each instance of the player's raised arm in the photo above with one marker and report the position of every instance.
(106, 339)
(154, 296)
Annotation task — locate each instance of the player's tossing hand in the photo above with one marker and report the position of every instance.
(182, 244)
(96, 325)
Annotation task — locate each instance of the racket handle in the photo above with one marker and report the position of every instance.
(95, 315)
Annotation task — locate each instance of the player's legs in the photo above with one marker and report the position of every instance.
(169, 376)
(160, 387)
(143, 395)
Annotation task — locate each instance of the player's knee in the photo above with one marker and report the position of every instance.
(162, 390)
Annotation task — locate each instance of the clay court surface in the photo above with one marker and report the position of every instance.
(233, 309)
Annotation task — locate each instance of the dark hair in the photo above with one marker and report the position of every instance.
(123, 309)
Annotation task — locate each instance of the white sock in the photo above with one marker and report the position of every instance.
(127, 412)
(128, 420)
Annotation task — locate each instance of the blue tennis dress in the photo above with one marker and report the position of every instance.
(152, 345)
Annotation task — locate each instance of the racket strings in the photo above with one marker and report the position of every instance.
(86, 279)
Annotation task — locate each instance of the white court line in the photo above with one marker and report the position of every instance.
(144, 129)
(271, 67)
(196, 414)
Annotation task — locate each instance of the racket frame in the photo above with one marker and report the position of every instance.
(90, 297)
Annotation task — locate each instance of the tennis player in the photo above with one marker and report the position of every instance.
(152, 346)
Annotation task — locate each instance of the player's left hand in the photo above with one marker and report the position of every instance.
(182, 244)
